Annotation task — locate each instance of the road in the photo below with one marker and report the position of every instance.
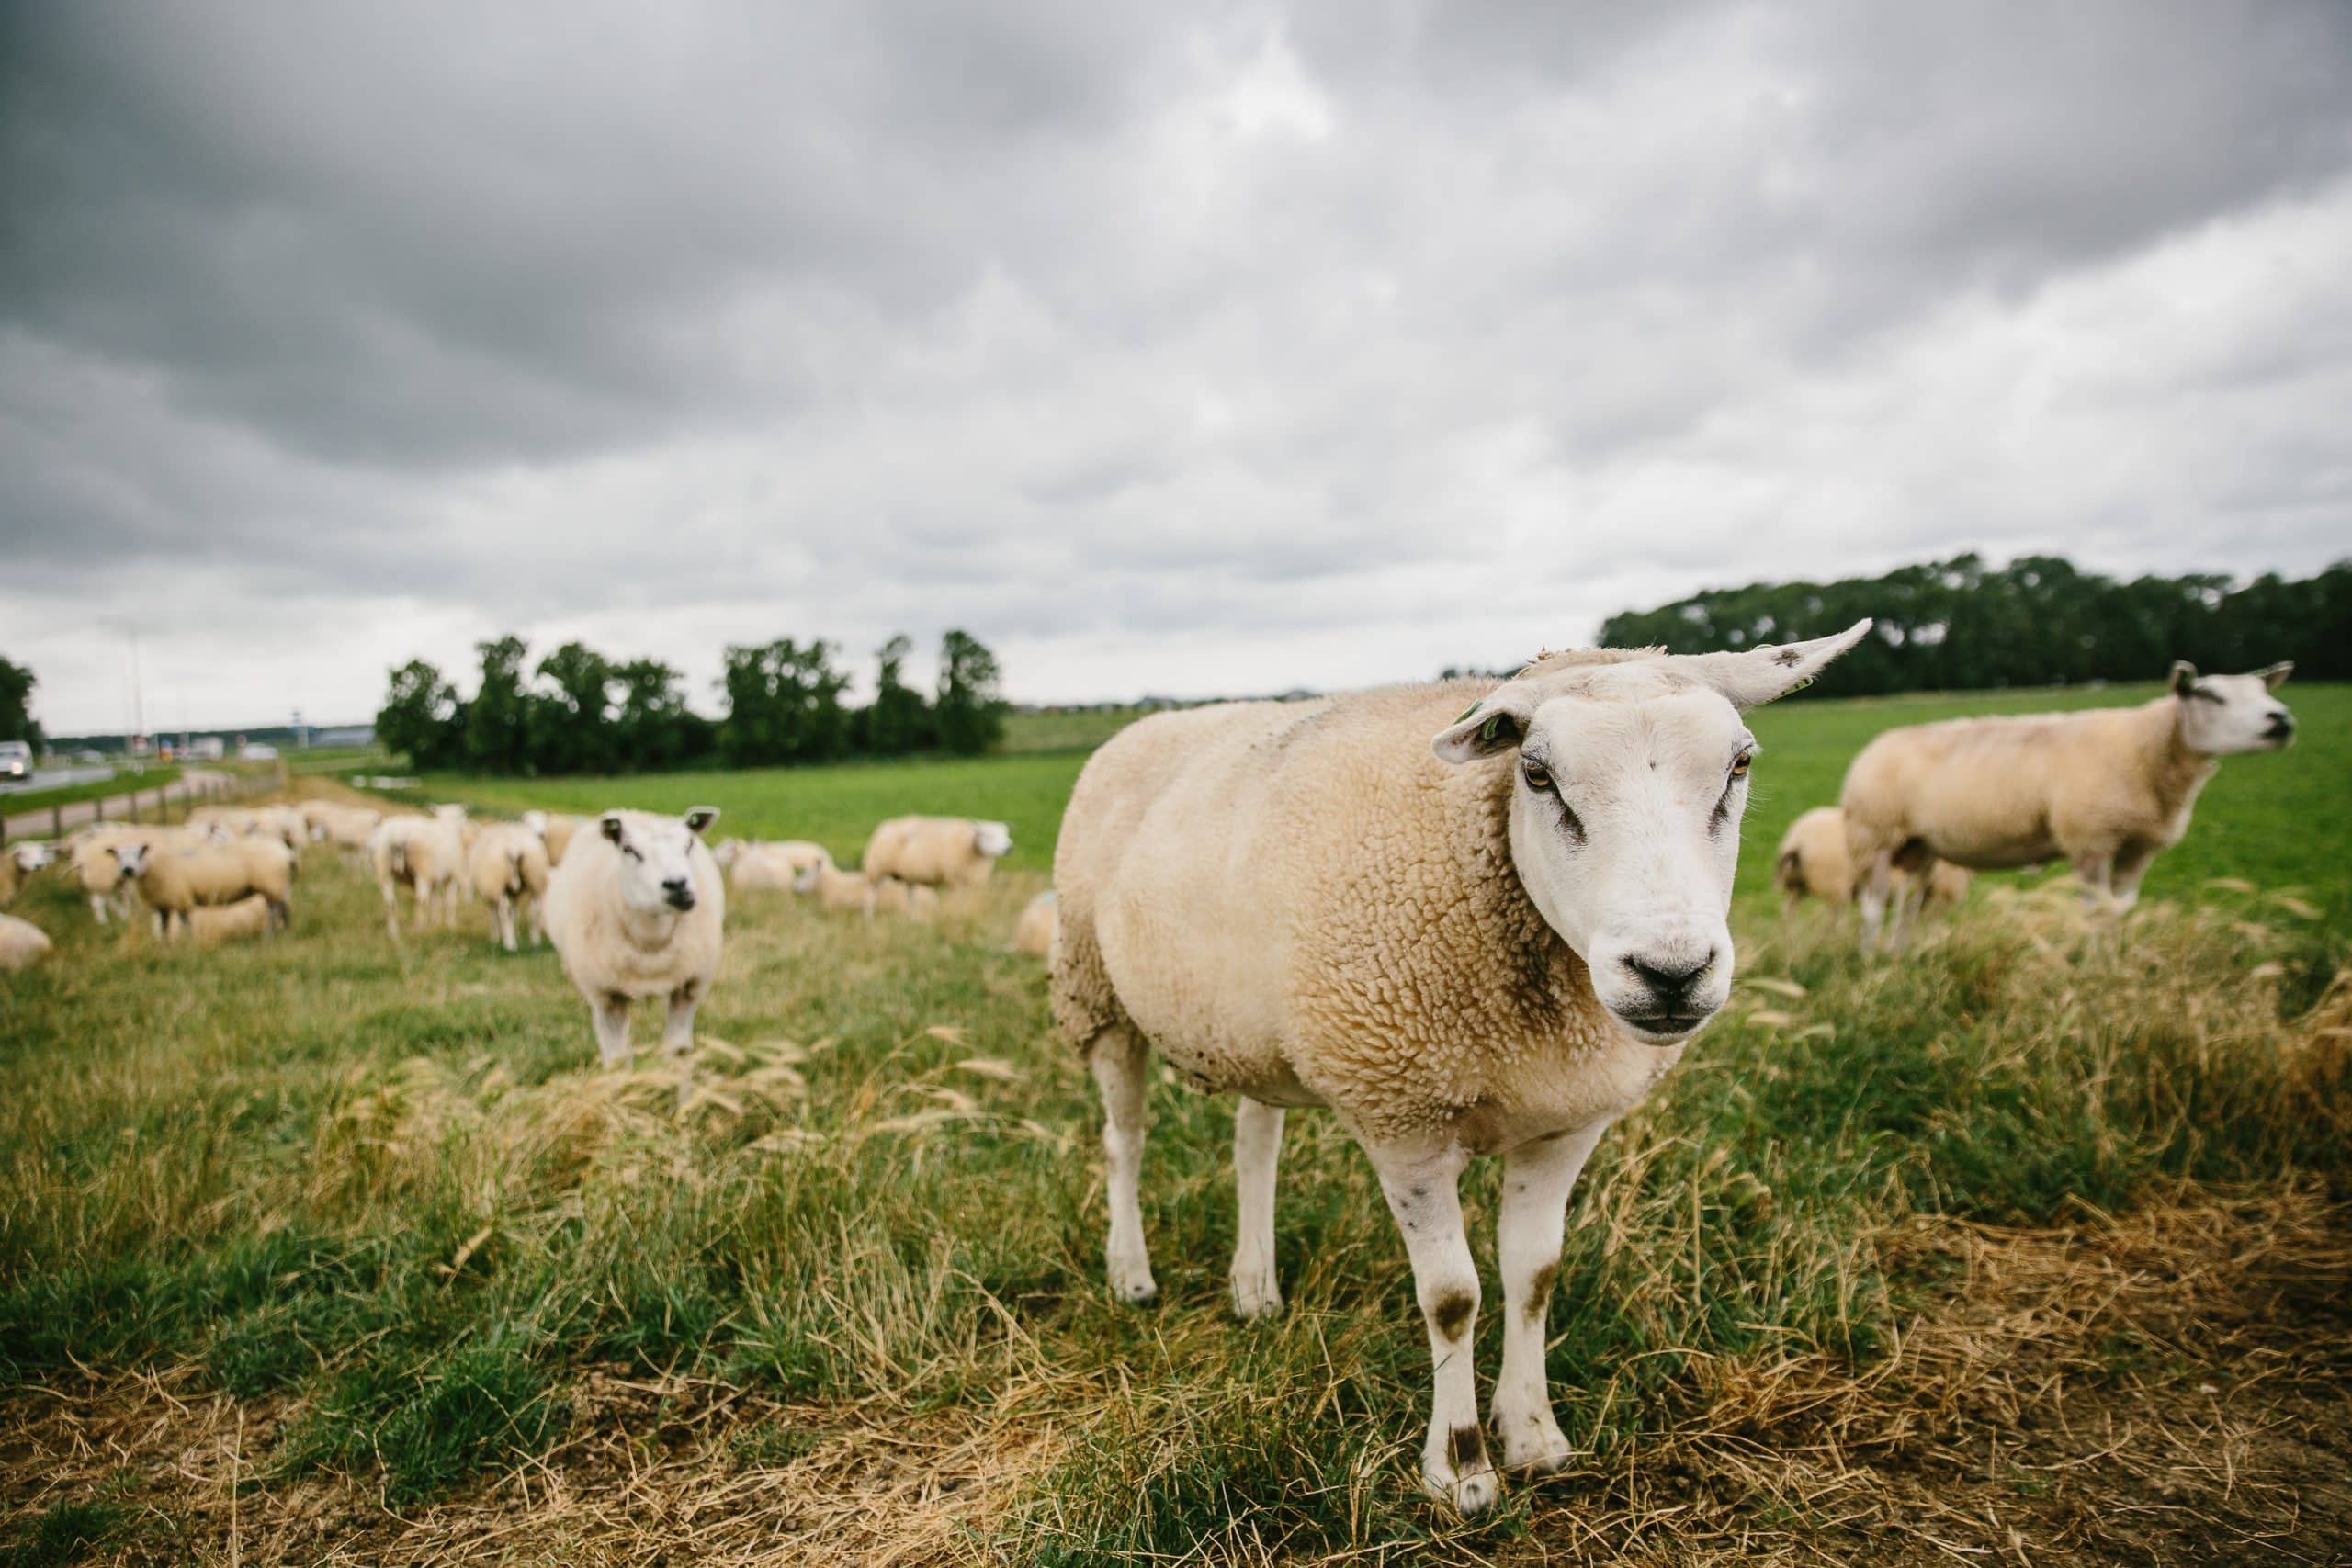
(55, 778)
(46, 821)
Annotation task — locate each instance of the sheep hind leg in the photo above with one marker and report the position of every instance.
(678, 1037)
(1422, 1188)
(610, 1015)
(1257, 1147)
(1877, 884)
(1537, 1179)
(1117, 1059)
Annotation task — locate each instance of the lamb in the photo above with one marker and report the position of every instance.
(1034, 933)
(916, 902)
(636, 908)
(507, 865)
(176, 881)
(1496, 950)
(1813, 861)
(231, 922)
(18, 862)
(838, 892)
(939, 851)
(555, 830)
(2106, 789)
(22, 944)
(427, 855)
(768, 865)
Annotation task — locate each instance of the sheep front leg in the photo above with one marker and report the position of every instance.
(1422, 1192)
(98, 907)
(1877, 883)
(611, 1017)
(506, 924)
(678, 1036)
(1537, 1179)
(2131, 864)
(1256, 1145)
(1117, 1060)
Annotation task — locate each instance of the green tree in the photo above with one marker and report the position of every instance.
(654, 729)
(570, 727)
(784, 704)
(900, 720)
(970, 712)
(419, 718)
(498, 734)
(17, 721)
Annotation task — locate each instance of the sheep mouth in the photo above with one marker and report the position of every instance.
(1665, 1027)
(681, 902)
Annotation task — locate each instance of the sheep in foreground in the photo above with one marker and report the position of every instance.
(507, 867)
(425, 854)
(938, 851)
(22, 944)
(173, 882)
(776, 865)
(638, 909)
(555, 830)
(1497, 949)
(838, 892)
(1814, 863)
(18, 862)
(1034, 933)
(2105, 790)
(98, 867)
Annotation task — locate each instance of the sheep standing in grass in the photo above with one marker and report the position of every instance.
(22, 944)
(345, 827)
(1497, 949)
(172, 882)
(938, 851)
(1034, 933)
(638, 909)
(838, 892)
(507, 866)
(16, 862)
(98, 867)
(231, 922)
(1814, 863)
(912, 900)
(776, 865)
(2104, 790)
(555, 830)
(425, 854)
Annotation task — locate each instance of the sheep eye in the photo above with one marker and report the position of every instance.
(1537, 775)
(1740, 764)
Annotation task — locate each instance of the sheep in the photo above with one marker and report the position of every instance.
(280, 822)
(427, 855)
(838, 892)
(555, 830)
(637, 908)
(345, 827)
(508, 866)
(97, 865)
(175, 881)
(940, 851)
(18, 862)
(1497, 949)
(22, 944)
(1034, 933)
(248, 917)
(2105, 790)
(776, 864)
(1813, 861)
(916, 902)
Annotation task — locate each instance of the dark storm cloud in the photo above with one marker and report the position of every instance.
(1108, 329)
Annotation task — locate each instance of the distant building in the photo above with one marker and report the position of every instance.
(349, 735)
(204, 748)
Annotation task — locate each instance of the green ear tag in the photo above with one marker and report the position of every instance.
(1486, 731)
(1465, 713)
(1800, 686)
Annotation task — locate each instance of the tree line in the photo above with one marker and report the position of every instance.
(17, 721)
(578, 712)
(1959, 624)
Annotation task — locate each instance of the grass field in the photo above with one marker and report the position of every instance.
(2023, 1250)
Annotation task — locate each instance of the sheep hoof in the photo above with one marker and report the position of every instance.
(1469, 1494)
(1542, 1452)
(1254, 1301)
(1136, 1287)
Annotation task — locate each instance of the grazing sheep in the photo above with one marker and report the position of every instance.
(18, 862)
(425, 854)
(1034, 933)
(2104, 790)
(346, 828)
(22, 944)
(938, 851)
(175, 881)
(283, 823)
(916, 902)
(97, 864)
(638, 909)
(1813, 861)
(776, 865)
(508, 866)
(231, 922)
(838, 892)
(1497, 949)
(555, 830)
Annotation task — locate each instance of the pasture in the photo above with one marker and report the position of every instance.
(2021, 1250)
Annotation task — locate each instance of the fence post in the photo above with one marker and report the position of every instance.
(57, 821)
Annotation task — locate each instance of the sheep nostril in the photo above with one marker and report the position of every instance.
(1669, 979)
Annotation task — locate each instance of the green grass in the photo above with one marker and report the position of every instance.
(379, 1192)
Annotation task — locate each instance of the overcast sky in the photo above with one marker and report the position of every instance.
(1167, 348)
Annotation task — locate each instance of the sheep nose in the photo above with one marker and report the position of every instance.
(679, 892)
(2282, 724)
(1671, 980)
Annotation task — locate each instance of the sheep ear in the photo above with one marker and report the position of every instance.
(2275, 675)
(610, 827)
(2183, 679)
(1757, 675)
(700, 816)
(1495, 724)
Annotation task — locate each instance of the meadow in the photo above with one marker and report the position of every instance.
(2027, 1249)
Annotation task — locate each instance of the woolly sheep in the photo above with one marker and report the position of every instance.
(1034, 933)
(175, 881)
(555, 830)
(2105, 790)
(1496, 950)
(345, 827)
(22, 944)
(231, 922)
(283, 823)
(838, 892)
(18, 862)
(97, 864)
(637, 908)
(427, 855)
(939, 851)
(507, 867)
(751, 865)
(1813, 861)
(916, 902)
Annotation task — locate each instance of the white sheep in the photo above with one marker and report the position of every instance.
(2104, 790)
(345, 827)
(772, 865)
(425, 854)
(507, 866)
(838, 892)
(97, 865)
(22, 944)
(911, 899)
(1813, 861)
(1497, 949)
(1034, 933)
(637, 908)
(938, 851)
(246, 917)
(283, 823)
(175, 881)
(18, 862)
(555, 830)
